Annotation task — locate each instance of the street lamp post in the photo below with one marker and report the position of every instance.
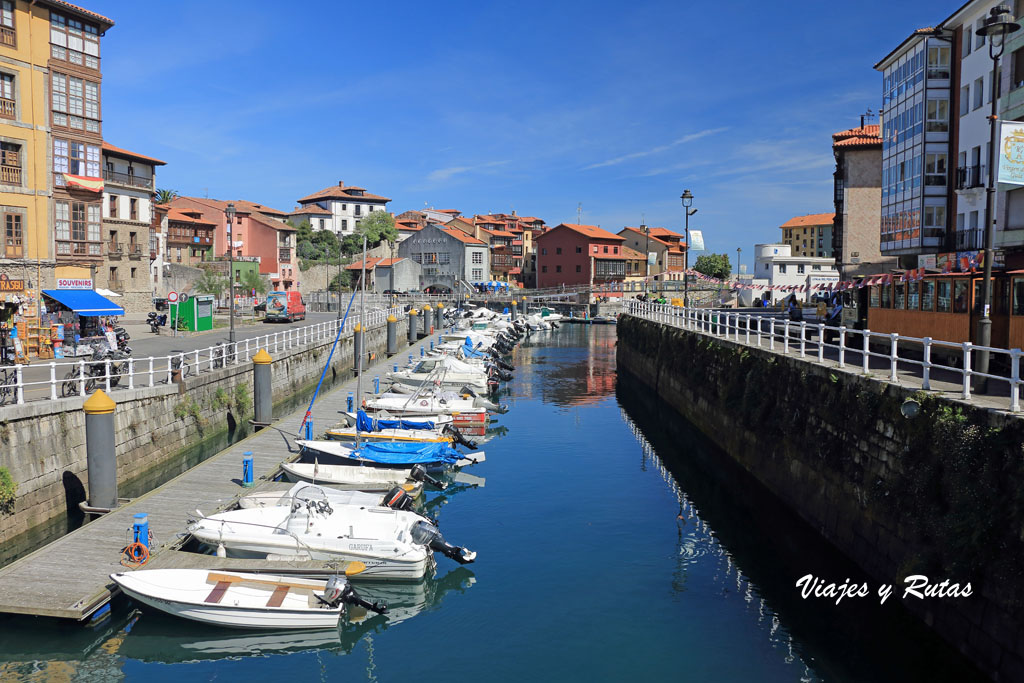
(647, 257)
(997, 26)
(230, 213)
(738, 250)
(687, 198)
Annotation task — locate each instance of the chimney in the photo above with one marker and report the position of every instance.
(341, 183)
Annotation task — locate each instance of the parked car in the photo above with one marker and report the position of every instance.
(285, 306)
(261, 307)
(160, 303)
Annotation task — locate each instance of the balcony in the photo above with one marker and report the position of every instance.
(8, 108)
(115, 249)
(969, 239)
(79, 249)
(128, 179)
(8, 37)
(970, 177)
(135, 251)
(10, 175)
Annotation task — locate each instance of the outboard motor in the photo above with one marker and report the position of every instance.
(503, 365)
(419, 473)
(339, 590)
(427, 534)
(453, 431)
(398, 499)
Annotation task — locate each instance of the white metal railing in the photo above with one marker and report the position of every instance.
(812, 341)
(50, 381)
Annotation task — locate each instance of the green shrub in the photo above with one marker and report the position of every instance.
(8, 491)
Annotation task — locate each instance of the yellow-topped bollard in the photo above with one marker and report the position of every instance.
(392, 326)
(263, 389)
(262, 357)
(413, 317)
(100, 456)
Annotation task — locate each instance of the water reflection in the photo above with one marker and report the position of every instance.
(566, 384)
(36, 650)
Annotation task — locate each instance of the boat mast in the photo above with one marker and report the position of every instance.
(362, 334)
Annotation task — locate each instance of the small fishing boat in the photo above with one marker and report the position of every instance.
(352, 477)
(393, 454)
(262, 499)
(254, 601)
(393, 544)
(373, 429)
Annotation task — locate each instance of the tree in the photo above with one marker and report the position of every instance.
(342, 280)
(251, 280)
(165, 196)
(713, 265)
(211, 283)
(352, 244)
(378, 226)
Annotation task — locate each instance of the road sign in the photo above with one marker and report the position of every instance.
(183, 297)
(172, 297)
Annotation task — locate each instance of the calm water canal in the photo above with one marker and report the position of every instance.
(614, 544)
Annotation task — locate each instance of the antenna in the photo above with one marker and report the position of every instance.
(579, 213)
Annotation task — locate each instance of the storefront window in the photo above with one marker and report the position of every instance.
(960, 294)
(913, 295)
(886, 296)
(928, 295)
(943, 303)
(1018, 296)
(899, 296)
(874, 297)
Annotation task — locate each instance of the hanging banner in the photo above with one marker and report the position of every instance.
(696, 240)
(84, 182)
(1011, 153)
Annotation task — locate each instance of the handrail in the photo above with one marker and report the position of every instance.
(70, 378)
(797, 336)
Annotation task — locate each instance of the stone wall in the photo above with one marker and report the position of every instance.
(941, 494)
(42, 443)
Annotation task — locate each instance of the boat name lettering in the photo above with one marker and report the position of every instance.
(360, 546)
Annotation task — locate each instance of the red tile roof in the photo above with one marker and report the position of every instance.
(60, 4)
(117, 151)
(461, 236)
(384, 263)
(867, 136)
(664, 232)
(612, 257)
(632, 254)
(672, 246)
(591, 231)
(310, 210)
(262, 214)
(809, 220)
(371, 263)
(183, 216)
(341, 191)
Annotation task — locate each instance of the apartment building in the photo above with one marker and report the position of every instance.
(571, 254)
(348, 204)
(809, 235)
(129, 180)
(776, 265)
(668, 247)
(450, 258)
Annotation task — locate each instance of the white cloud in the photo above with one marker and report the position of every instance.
(441, 175)
(656, 150)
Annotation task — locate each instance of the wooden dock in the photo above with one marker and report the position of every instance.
(69, 578)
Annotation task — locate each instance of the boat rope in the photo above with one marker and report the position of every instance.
(337, 338)
(135, 555)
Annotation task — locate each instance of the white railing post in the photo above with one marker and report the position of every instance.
(151, 371)
(170, 376)
(821, 342)
(759, 321)
(803, 338)
(842, 346)
(131, 372)
(771, 334)
(247, 350)
(197, 359)
(785, 332)
(53, 381)
(967, 370)
(865, 356)
(106, 374)
(211, 360)
(1014, 380)
(21, 383)
(748, 329)
(926, 363)
(893, 356)
(81, 378)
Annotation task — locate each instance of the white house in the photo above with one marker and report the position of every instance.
(319, 218)
(347, 205)
(776, 264)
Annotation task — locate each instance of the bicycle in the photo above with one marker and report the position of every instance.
(177, 364)
(8, 385)
(69, 387)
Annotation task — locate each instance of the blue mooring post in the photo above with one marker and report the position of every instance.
(410, 359)
(140, 529)
(247, 476)
(350, 401)
(431, 345)
(376, 384)
(309, 428)
(396, 369)
(422, 352)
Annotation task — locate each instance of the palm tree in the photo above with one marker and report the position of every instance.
(251, 280)
(211, 283)
(165, 196)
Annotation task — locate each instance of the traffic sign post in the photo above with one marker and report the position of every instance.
(172, 298)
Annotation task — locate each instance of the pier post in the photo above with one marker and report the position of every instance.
(514, 310)
(413, 318)
(101, 460)
(392, 335)
(439, 316)
(357, 344)
(263, 403)
(428, 321)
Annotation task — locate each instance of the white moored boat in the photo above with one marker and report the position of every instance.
(240, 600)
(393, 544)
(350, 477)
(262, 499)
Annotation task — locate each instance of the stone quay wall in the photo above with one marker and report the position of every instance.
(940, 494)
(42, 444)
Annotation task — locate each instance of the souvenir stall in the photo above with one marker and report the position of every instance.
(17, 321)
(76, 321)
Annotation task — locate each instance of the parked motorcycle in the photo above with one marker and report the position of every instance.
(156, 321)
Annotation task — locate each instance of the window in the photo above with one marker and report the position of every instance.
(935, 170)
(478, 273)
(76, 158)
(579, 269)
(359, 209)
(344, 224)
(595, 248)
(899, 296)
(615, 250)
(937, 116)
(943, 303)
(782, 267)
(134, 271)
(74, 41)
(938, 62)
(344, 207)
(960, 296)
(934, 221)
(558, 250)
(800, 269)
(543, 269)
(965, 100)
(323, 224)
(13, 237)
(927, 295)
(1018, 296)
(1017, 69)
(886, 296)
(112, 206)
(10, 163)
(478, 257)
(606, 249)
(7, 35)
(965, 46)
(75, 103)
(979, 38)
(874, 302)
(558, 269)
(979, 92)
(579, 250)
(8, 108)
(133, 208)
(544, 251)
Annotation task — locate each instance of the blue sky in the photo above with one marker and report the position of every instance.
(532, 106)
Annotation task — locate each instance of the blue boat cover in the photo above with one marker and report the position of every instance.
(84, 302)
(469, 351)
(365, 423)
(407, 453)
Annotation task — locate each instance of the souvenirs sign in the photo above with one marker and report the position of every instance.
(9, 285)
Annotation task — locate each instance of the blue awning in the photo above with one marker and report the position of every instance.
(84, 302)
